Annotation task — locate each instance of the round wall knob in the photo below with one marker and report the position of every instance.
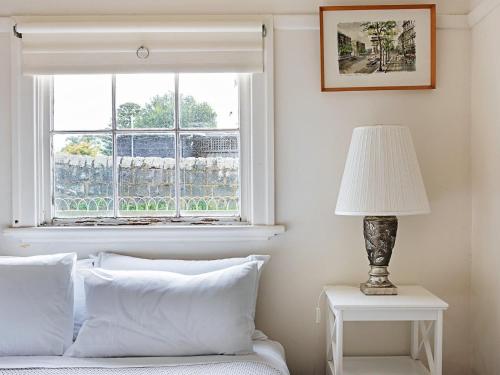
(142, 52)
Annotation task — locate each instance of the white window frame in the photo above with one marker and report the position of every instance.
(30, 180)
(44, 88)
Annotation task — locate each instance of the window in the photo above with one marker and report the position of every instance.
(145, 146)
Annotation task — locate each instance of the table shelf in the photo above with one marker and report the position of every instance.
(397, 365)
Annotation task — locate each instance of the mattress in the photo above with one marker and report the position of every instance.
(268, 359)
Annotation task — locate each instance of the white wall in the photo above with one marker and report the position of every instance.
(312, 136)
(321, 248)
(485, 195)
(12, 7)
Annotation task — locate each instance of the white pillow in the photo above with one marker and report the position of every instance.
(80, 310)
(112, 261)
(36, 313)
(151, 313)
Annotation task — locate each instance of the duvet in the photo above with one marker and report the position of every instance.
(268, 359)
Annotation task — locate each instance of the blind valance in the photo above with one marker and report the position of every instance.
(140, 45)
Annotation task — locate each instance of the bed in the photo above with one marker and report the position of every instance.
(268, 359)
(167, 318)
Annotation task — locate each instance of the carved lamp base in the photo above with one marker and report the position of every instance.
(378, 283)
(380, 237)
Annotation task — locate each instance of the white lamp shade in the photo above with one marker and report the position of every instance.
(382, 176)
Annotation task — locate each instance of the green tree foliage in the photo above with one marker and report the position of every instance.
(86, 145)
(106, 146)
(126, 114)
(196, 115)
(159, 112)
(345, 49)
(90, 145)
(384, 33)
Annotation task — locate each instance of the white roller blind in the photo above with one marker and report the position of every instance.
(56, 45)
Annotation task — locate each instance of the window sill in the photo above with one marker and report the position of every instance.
(142, 234)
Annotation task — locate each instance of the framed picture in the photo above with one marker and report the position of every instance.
(386, 47)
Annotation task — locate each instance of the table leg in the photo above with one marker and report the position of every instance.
(438, 344)
(415, 344)
(330, 336)
(339, 339)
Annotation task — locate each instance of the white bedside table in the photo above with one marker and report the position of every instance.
(413, 303)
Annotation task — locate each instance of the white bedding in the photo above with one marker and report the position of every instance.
(268, 359)
(159, 313)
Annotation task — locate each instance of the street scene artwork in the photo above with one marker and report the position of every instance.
(376, 47)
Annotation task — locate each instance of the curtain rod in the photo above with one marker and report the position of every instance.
(138, 27)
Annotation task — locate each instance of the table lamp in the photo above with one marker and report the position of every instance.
(381, 181)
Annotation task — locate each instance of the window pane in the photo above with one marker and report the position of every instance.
(82, 102)
(209, 101)
(209, 174)
(83, 175)
(146, 174)
(145, 101)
